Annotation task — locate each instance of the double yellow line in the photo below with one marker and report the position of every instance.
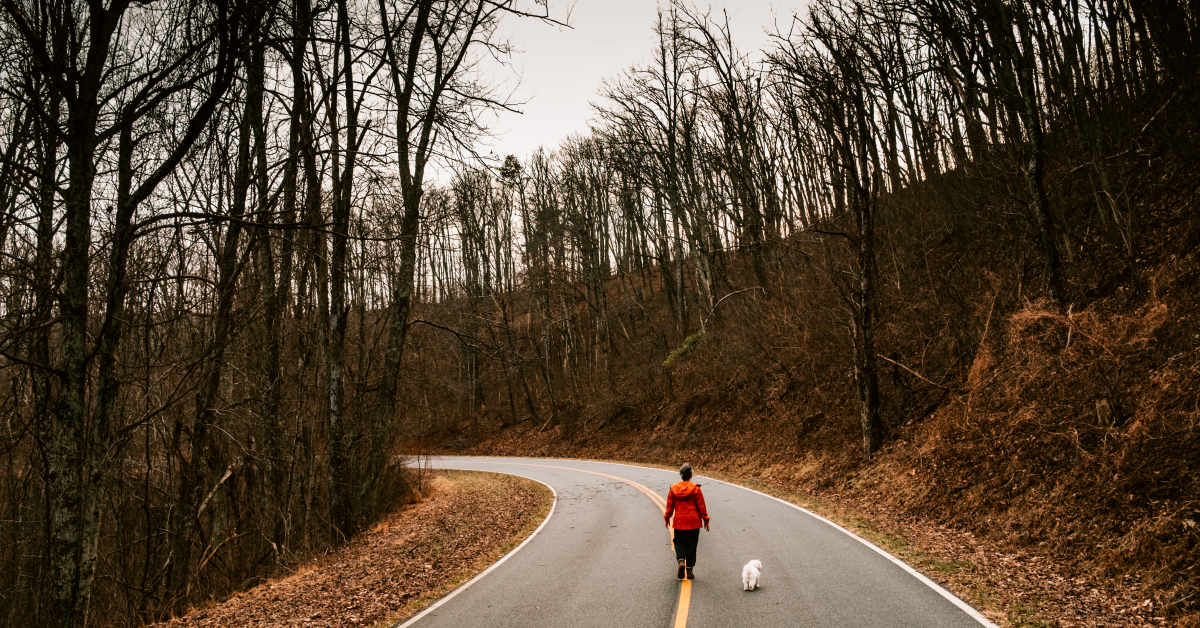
(685, 586)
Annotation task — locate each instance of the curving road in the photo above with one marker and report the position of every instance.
(603, 558)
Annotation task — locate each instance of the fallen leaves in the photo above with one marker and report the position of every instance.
(402, 564)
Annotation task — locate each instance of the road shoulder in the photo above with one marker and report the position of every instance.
(1007, 586)
(401, 565)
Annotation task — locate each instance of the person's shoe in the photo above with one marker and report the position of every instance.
(690, 574)
(682, 569)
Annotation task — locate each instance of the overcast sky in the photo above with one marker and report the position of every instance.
(559, 71)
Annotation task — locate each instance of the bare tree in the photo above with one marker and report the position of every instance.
(110, 95)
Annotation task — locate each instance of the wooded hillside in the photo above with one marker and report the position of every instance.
(939, 251)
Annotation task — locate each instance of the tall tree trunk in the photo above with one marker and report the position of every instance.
(73, 476)
(204, 459)
(1035, 171)
(279, 294)
(402, 296)
(865, 363)
(341, 489)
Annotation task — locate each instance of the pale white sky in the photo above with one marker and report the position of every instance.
(559, 71)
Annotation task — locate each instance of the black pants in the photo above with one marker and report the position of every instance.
(685, 545)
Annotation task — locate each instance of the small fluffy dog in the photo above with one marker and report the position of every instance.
(751, 574)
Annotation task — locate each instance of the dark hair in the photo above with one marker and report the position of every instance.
(685, 471)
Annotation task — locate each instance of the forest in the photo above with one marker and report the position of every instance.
(252, 257)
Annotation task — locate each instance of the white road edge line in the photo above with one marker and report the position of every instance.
(950, 597)
(953, 599)
(463, 587)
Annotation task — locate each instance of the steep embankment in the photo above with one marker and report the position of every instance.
(411, 557)
(1063, 435)
(1058, 483)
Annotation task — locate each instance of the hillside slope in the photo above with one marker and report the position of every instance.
(1070, 432)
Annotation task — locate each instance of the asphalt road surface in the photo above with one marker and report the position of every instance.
(603, 558)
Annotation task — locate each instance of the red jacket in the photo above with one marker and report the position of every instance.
(686, 502)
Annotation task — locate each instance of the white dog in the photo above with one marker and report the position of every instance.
(751, 574)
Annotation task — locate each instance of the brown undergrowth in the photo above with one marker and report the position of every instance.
(1008, 585)
(1041, 457)
(393, 570)
(1056, 485)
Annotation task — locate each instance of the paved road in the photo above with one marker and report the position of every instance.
(603, 558)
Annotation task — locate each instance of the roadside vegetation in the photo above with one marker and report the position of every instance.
(939, 257)
(1016, 356)
(393, 570)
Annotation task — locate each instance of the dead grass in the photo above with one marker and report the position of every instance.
(1008, 586)
(1041, 460)
(399, 566)
(1058, 473)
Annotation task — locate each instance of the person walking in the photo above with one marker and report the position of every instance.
(685, 501)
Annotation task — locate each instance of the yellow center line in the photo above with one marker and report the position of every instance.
(685, 599)
(685, 586)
